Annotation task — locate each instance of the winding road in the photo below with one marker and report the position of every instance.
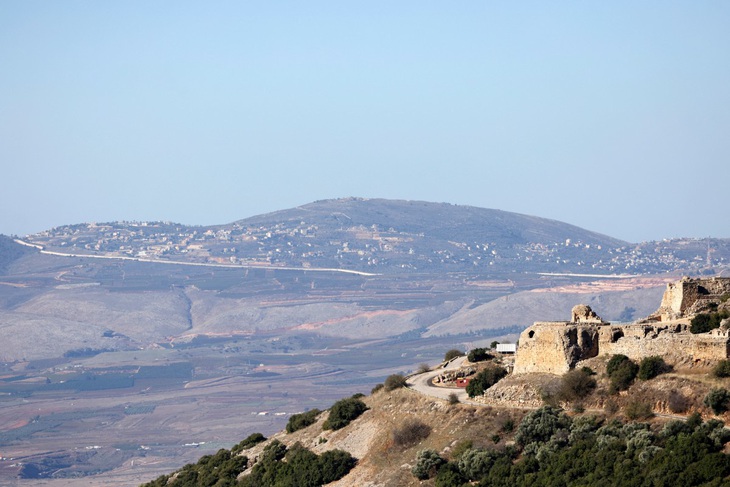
(422, 383)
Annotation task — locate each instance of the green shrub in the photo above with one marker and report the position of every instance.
(449, 476)
(493, 345)
(274, 451)
(705, 322)
(479, 355)
(343, 412)
(251, 440)
(460, 448)
(452, 354)
(722, 369)
(624, 376)
(541, 424)
(476, 463)
(302, 420)
(589, 453)
(453, 398)
(718, 400)
(484, 380)
(411, 432)
(427, 464)
(622, 372)
(700, 323)
(614, 362)
(508, 426)
(583, 426)
(394, 381)
(575, 384)
(376, 388)
(637, 409)
(694, 421)
(650, 367)
(302, 468)
(220, 469)
(335, 464)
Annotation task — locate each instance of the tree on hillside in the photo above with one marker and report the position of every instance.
(622, 372)
(394, 381)
(704, 322)
(452, 354)
(718, 400)
(302, 420)
(343, 412)
(576, 384)
(650, 367)
(484, 380)
(479, 355)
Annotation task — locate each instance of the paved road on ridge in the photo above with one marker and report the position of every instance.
(421, 383)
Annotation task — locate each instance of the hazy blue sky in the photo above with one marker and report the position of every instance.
(614, 116)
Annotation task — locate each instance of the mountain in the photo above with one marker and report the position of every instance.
(389, 237)
(163, 332)
(440, 221)
(10, 252)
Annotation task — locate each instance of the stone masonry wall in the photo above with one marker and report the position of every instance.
(555, 347)
(684, 295)
(674, 343)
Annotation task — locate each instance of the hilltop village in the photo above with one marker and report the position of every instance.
(375, 247)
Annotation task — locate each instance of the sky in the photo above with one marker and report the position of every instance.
(613, 116)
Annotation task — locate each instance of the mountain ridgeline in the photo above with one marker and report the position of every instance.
(9, 252)
(390, 237)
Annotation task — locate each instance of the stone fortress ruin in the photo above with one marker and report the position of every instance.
(556, 347)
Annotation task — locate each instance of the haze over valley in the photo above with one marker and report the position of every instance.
(132, 348)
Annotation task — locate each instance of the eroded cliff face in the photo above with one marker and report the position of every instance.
(556, 347)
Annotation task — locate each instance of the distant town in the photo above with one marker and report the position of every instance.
(374, 249)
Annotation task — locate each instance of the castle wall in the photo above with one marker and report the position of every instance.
(638, 342)
(681, 296)
(673, 299)
(555, 347)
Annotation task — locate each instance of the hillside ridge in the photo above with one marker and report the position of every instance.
(391, 237)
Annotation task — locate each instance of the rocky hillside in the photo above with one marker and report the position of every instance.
(408, 439)
(509, 427)
(390, 236)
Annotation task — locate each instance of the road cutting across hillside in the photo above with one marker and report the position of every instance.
(423, 383)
